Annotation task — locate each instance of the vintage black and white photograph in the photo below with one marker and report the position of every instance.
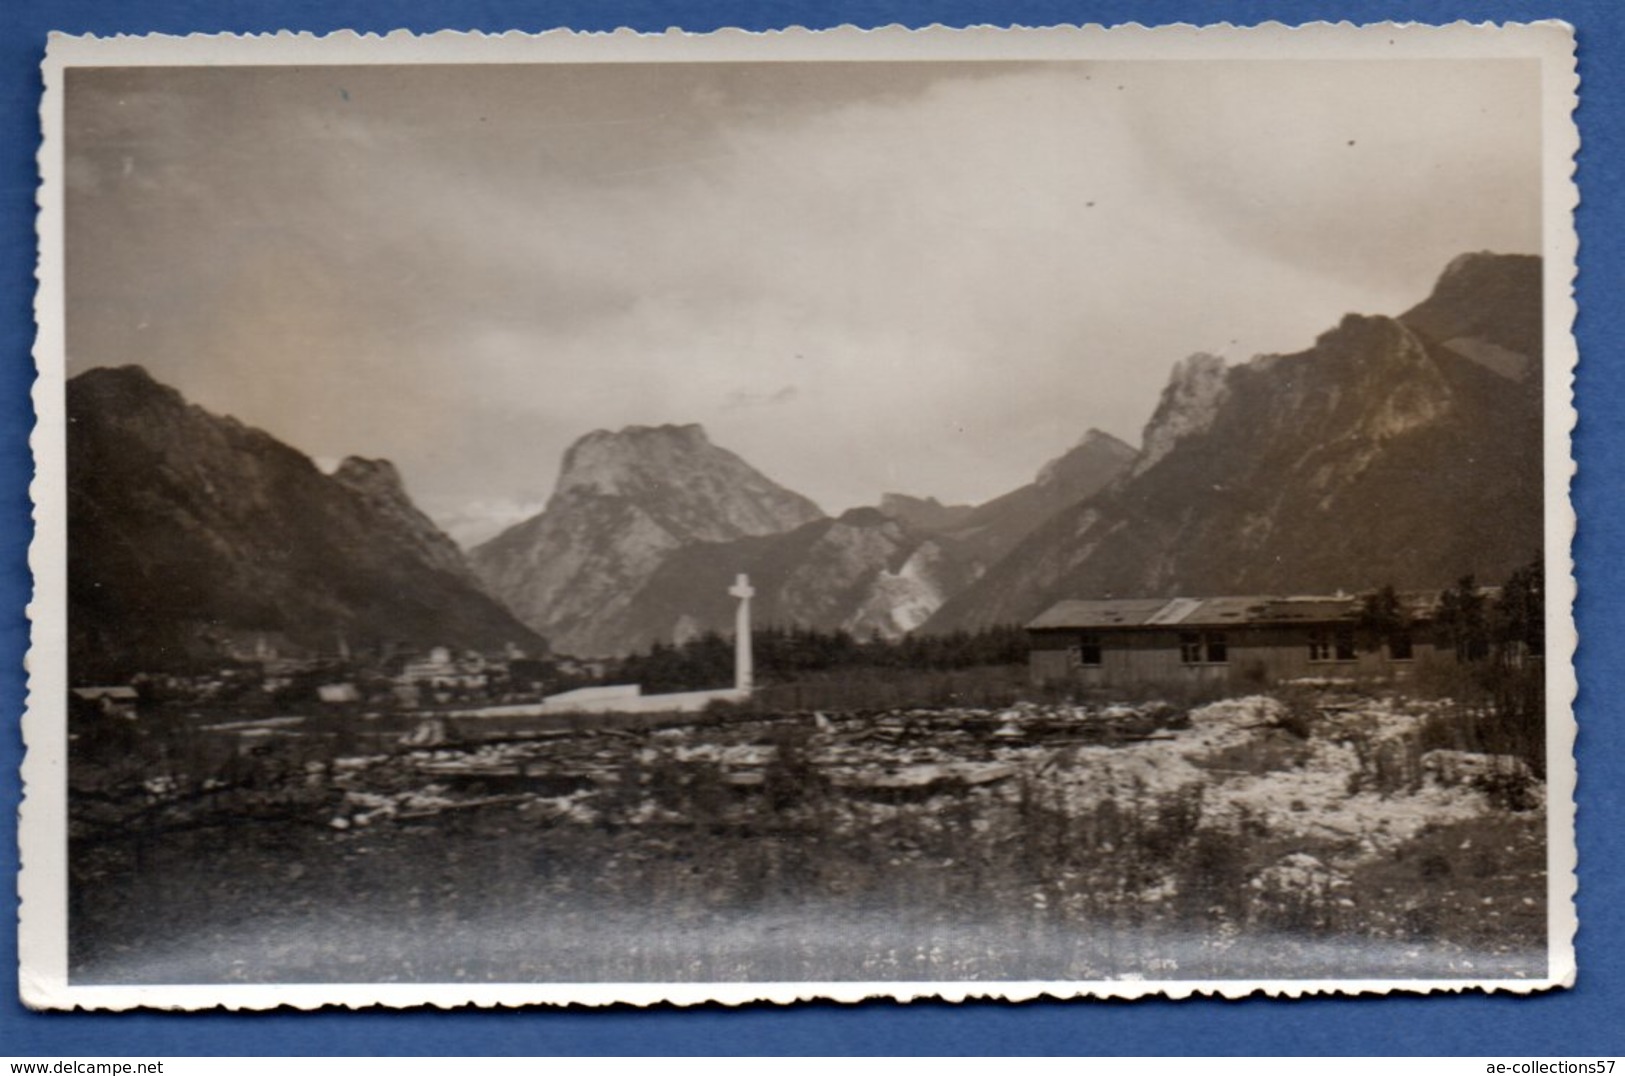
(919, 512)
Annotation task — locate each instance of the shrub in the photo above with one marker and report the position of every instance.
(791, 778)
(1299, 712)
(1215, 871)
(1388, 766)
(1172, 824)
(1497, 708)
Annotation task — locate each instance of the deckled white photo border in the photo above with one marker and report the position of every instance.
(43, 881)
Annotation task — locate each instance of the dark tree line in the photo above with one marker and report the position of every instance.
(1492, 636)
(782, 654)
(1474, 623)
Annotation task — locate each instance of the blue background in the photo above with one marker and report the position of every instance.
(1586, 1020)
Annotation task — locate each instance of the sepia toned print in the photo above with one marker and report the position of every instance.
(675, 518)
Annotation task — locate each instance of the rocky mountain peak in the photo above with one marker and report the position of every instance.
(614, 462)
(1366, 335)
(623, 503)
(131, 380)
(376, 477)
(1486, 308)
(925, 514)
(1385, 453)
(864, 516)
(1190, 401)
(1096, 438)
(1474, 273)
(128, 395)
(377, 484)
(1093, 450)
(686, 485)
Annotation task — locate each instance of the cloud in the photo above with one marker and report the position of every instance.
(743, 398)
(910, 277)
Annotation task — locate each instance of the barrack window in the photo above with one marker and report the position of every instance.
(1203, 648)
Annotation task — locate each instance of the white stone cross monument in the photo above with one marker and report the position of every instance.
(743, 672)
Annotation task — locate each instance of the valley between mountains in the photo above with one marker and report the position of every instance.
(1397, 450)
(312, 740)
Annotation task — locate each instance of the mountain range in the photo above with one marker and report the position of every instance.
(192, 536)
(623, 504)
(1403, 450)
(648, 526)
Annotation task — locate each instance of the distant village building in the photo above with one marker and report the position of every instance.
(115, 701)
(576, 667)
(1126, 641)
(338, 693)
(441, 670)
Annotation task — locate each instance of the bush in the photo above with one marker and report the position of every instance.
(1215, 874)
(1498, 708)
(791, 778)
(1299, 712)
(1388, 766)
(1172, 824)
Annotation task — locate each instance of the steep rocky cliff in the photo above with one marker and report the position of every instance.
(1396, 450)
(1189, 404)
(622, 504)
(191, 535)
(864, 572)
(649, 527)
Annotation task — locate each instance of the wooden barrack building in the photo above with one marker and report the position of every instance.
(1124, 641)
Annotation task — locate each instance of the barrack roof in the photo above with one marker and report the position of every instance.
(1198, 612)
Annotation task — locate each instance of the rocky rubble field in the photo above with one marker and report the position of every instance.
(1307, 835)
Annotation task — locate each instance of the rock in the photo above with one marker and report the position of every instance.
(1190, 403)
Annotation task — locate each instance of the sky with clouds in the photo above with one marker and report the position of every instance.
(921, 277)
